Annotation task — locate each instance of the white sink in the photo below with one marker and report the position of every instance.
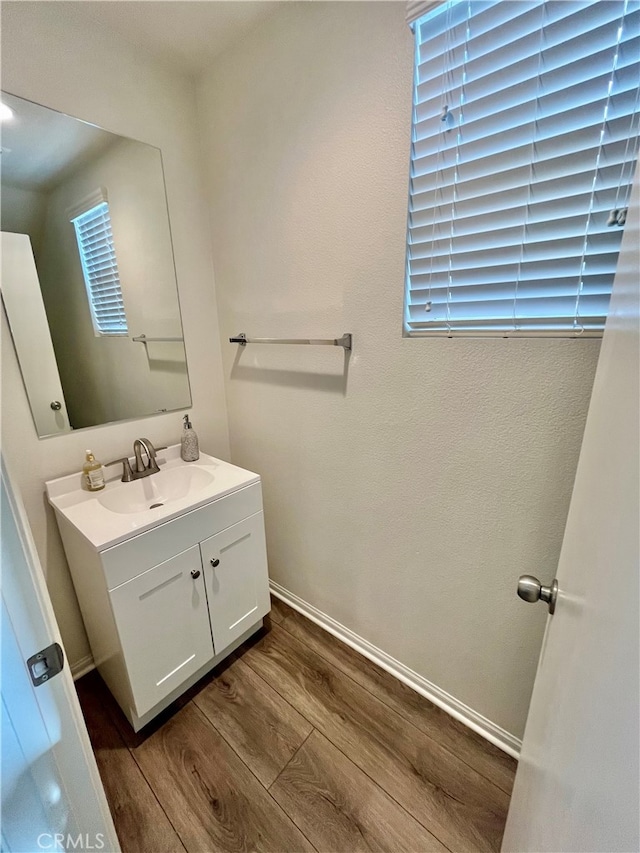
(156, 490)
(122, 510)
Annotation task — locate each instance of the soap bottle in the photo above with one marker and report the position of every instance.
(189, 450)
(92, 473)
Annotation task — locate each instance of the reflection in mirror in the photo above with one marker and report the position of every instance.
(101, 335)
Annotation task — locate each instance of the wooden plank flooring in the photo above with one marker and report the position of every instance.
(298, 743)
(141, 823)
(487, 759)
(257, 722)
(341, 808)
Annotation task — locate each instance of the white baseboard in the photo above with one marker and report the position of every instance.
(484, 727)
(82, 667)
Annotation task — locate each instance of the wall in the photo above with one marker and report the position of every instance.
(94, 77)
(406, 491)
(111, 378)
(23, 212)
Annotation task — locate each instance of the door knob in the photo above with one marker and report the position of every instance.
(215, 562)
(530, 589)
(195, 573)
(56, 405)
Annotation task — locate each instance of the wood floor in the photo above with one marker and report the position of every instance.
(298, 743)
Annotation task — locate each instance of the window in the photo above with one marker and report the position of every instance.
(525, 139)
(100, 267)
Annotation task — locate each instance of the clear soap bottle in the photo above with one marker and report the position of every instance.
(92, 473)
(189, 450)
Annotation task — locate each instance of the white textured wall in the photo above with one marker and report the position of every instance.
(23, 211)
(405, 498)
(49, 58)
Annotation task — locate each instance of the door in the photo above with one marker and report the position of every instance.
(163, 624)
(31, 336)
(235, 564)
(52, 797)
(577, 785)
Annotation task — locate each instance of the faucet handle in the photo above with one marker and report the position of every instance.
(127, 473)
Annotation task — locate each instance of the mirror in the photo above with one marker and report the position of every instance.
(102, 300)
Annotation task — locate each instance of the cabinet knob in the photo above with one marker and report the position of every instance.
(215, 562)
(56, 405)
(195, 573)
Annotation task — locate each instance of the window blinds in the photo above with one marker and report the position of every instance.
(100, 270)
(525, 138)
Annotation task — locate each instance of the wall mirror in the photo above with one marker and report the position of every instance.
(88, 275)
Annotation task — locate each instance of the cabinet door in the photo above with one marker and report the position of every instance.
(235, 566)
(163, 625)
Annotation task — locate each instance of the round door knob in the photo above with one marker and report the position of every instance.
(531, 590)
(195, 573)
(215, 563)
(56, 405)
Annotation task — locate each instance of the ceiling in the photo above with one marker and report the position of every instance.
(29, 164)
(185, 34)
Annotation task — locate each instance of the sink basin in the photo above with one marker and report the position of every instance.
(156, 490)
(122, 510)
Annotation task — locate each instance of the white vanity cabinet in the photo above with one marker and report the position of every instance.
(163, 606)
(163, 623)
(235, 590)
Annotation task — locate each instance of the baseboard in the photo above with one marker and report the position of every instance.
(484, 727)
(82, 667)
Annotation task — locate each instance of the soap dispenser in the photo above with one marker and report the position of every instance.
(92, 473)
(189, 450)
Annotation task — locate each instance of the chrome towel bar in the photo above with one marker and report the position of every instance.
(344, 341)
(143, 339)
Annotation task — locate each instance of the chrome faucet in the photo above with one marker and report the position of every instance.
(140, 469)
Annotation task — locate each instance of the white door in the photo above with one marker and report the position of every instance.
(163, 623)
(235, 565)
(31, 336)
(52, 797)
(577, 785)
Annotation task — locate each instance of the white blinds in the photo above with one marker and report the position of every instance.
(525, 139)
(100, 270)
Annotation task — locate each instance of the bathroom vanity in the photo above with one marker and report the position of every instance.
(170, 573)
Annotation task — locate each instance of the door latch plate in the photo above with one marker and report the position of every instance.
(45, 664)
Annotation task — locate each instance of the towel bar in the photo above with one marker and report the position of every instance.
(143, 339)
(344, 341)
